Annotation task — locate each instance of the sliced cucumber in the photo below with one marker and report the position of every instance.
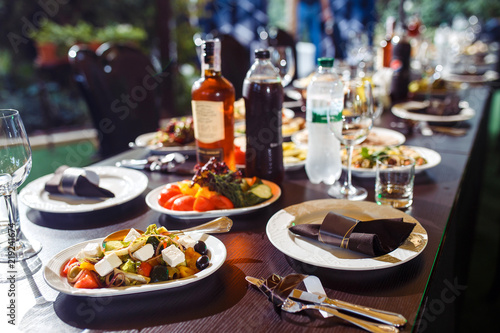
(262, 191)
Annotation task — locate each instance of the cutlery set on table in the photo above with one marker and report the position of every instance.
(283, 293)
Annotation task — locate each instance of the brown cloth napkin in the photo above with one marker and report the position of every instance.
(374, 238)
(76, 181)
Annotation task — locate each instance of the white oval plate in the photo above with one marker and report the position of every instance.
(126, 184)
(143, 141)
(377, 136)
(152, 202)
(433, 158)
(403, 110)
(52, 271)
(471, 78)
(321, 255)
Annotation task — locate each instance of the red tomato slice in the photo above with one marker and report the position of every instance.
(168, 192)
(221, 202)
(144, 269)
(203, 204)
(66, 267)
(87, 281)
(184, 203)
(170, 202)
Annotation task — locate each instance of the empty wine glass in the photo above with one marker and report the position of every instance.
(15, 165)
(282, 59)
(352, 129)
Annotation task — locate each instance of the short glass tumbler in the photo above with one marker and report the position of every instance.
(394, 180)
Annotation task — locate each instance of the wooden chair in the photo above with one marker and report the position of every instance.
(120, 86)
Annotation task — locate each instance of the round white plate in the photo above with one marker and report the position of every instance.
(433, 158)
(377, 136)
(322, 255)
(239, 126)
(126, 184)
(471, 78)
(294, 166)
(403, 110)
(143, 141)
(152, 202)
(52, 271)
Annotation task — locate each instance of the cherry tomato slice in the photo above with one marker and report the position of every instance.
(170, 202)
(184, 203)
(203, 204)
(169, 191)
(221, 202)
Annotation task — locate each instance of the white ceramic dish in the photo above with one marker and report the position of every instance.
(51, 271)
(143, 141)
(126, 184)
(377, 136)
(488, 76)
(403, 110)
(321, 255)
(433, 158)
(152, 202)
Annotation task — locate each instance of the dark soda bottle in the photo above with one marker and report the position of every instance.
(263, 94)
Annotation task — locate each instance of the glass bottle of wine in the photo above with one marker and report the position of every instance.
(212, 101)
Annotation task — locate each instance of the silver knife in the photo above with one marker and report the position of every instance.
(375, 314)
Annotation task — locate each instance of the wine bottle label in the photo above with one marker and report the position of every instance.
(208, 118)
(204, 154)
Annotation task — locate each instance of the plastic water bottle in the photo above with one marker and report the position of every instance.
(325, 91)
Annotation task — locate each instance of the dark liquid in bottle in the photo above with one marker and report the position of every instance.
(263, 108)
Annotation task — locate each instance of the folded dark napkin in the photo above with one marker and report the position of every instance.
(374, 238)
(277, 288)
(76, 181)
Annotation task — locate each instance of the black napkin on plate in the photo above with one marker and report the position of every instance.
(374, 238)
(76, 181)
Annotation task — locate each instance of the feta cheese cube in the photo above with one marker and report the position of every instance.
(92, 250)
(132, 235)
(173, 256)
(145, 252)
(186, 241)
(106, 264)
(80, 255)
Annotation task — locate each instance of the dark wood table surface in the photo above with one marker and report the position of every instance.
(224, 302)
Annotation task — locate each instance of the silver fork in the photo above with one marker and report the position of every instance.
(293, 307)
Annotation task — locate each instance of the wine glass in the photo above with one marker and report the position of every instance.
(352, 129)
(15, 165)
(282, 59)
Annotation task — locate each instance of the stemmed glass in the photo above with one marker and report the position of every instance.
(352, 129)
(282, 59)
(15, 165)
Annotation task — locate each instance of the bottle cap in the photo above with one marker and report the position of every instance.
(325, 62)
(262, 54)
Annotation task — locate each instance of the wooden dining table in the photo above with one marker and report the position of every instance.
(427, 290)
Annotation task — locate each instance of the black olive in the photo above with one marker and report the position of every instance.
(153, 241)
(202, 262)
(201, 247)
(159, 273)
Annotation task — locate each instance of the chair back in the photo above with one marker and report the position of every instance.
(119, 85)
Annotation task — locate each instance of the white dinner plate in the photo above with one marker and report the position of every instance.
(144, 140)
(488, 76)
(377, 136)
(404, 110)
(126, 184)
(52, 271)
(432, 157)
(152, 202)
(239, 126)
(321, 255)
